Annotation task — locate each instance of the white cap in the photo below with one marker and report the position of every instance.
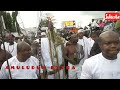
(43, 33)
(80, 30)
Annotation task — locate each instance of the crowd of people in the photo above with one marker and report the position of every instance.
(96, 56)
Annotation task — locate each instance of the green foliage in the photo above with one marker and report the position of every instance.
(44, 23)
(10, 21)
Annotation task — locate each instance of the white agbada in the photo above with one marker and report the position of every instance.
(91, 42)
(98, 67)
(12, 49)
(86, 47)
(45, 50)
(20, 73)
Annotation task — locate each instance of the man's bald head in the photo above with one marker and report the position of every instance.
(22, 46)
(23, 51)
(74, 38)
(108, 34)
(109, 44)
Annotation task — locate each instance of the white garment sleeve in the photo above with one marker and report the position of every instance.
(86, 71)
(4, 74)
(46, 54)
(88, 46)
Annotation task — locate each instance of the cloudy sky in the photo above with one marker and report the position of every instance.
(28, 19)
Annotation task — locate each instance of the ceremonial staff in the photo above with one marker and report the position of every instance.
(39, 47)
(2, 28)
(39, 53)
(53, 48)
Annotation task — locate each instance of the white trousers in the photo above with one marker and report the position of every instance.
(74, 73)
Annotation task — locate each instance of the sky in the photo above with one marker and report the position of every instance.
(28, 19)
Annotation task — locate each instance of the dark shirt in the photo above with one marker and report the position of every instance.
(95, 49)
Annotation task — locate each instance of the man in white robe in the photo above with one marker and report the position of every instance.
(105, 65)
(48, 62)
(85, 43)
(86, 47)
(11, 45)
(22, 66)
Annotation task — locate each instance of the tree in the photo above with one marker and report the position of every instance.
(7, 20)
(15, 23)
(10, 21)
